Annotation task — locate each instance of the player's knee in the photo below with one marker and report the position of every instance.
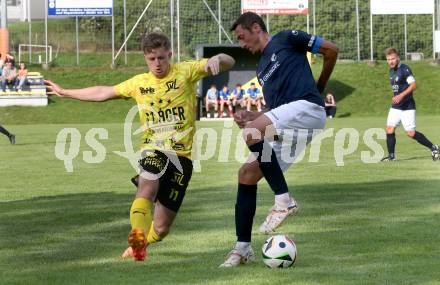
(411, 134)
(146, 190)
(247, 174)
(389, 130)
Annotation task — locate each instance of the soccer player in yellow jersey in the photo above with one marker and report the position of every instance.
(166, 100)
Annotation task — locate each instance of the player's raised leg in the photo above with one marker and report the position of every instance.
(409, 124)
(423, 140)
(270, 167)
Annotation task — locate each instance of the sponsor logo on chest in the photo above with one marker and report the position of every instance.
(264, 77)
(146, 90)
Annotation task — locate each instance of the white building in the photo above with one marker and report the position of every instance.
(19, 10)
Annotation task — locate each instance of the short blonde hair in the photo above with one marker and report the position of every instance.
(390, 51)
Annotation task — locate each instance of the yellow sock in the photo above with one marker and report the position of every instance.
(140, 214)
(152, 236)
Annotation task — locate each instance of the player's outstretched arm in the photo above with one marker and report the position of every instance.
(95, 93)
(330, 52)
(219, 63)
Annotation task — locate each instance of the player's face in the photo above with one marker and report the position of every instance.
(248, 39)
(393, 60)
(158, 61)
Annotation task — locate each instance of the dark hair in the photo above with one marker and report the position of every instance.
(238, 85)
(390, 51)
(246, 21)
(24, 64)
(252, 83)
(155, 40)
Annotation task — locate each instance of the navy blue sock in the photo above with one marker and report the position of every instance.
(421, 139)
(391, 143)
(270, 167)
(245, 211)
(4, 131)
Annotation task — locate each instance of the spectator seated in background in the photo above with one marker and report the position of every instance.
(254, 98)
(211, 101)
(10, 58)
(330, 105)
(224, 95)
(261, 98)
(237, 97)
(21, 77)
(9, 75)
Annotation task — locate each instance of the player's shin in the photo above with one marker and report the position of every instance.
(421, 139)
(391, 144)
(270, 167)
(140, 219)
(245, 211)
(140, 214)
(153, 236)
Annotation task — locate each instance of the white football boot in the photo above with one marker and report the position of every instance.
(237, 257)
(276, 216)
(435, 152)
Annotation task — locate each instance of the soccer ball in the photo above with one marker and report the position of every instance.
(279, 251)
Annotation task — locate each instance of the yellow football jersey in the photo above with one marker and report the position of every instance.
(167, 106)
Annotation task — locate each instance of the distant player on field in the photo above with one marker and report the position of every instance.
(403, 108)
(166, 99)
(294, 103)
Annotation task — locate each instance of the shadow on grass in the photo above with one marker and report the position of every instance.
(412, 158)
(344, 115)
(49, 143)
(343, 231)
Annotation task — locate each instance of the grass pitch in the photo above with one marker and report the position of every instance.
(358, 224)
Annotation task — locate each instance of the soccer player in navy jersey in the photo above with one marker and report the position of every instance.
(293, 98)
(403, 108)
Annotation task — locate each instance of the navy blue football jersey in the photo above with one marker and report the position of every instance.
(284, 71)
(400, 79)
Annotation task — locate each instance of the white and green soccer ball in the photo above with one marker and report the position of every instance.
(279, 251)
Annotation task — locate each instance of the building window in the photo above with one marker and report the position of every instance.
(13, 2)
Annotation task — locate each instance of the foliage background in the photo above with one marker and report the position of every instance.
(335, 20)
